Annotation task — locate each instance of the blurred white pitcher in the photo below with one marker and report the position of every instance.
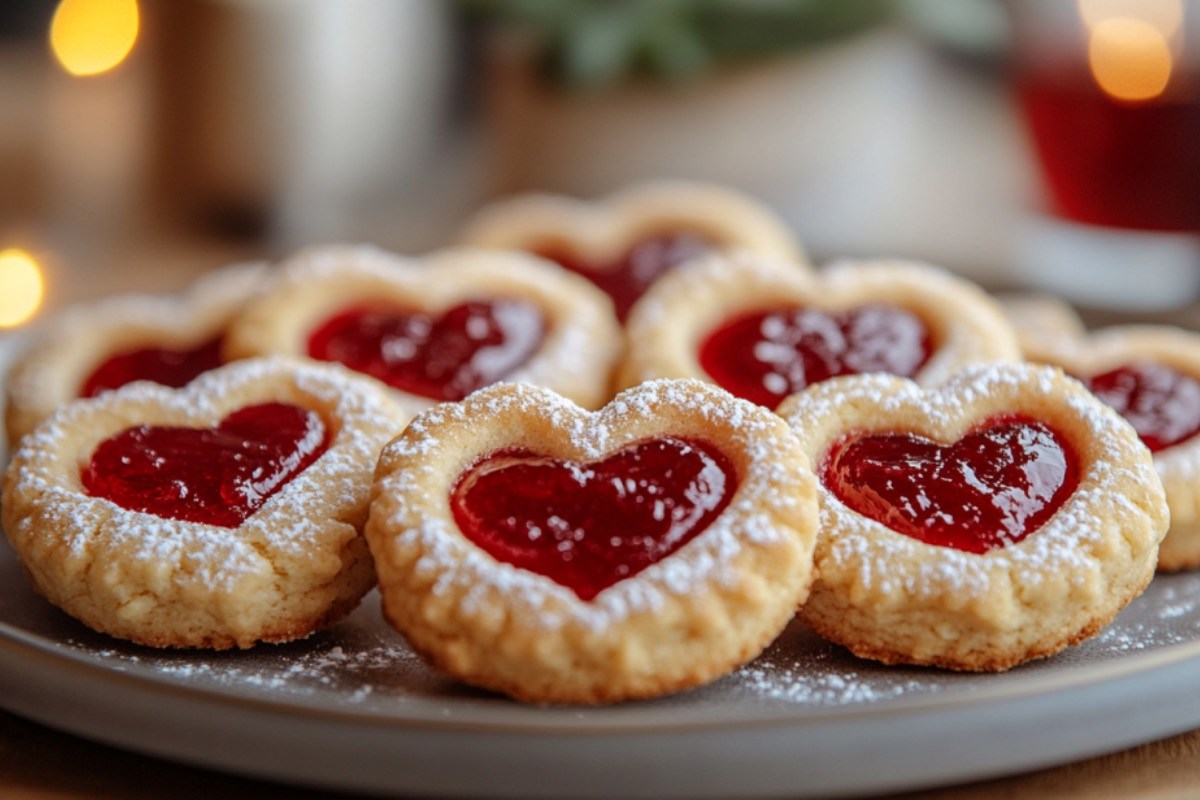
(290, 113)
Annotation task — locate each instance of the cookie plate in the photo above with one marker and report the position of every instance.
(355, 709)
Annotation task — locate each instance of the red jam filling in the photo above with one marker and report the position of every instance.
(992, 488)
(174, 368)
(628, 278)
(217, 476)
(767, 355)
(445, 357)
(588, 526)
(1162, 404)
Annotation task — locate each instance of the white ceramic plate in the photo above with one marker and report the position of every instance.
(354, 709)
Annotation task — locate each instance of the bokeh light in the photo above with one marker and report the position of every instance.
(89, 37)
(1130, 58)
(21, 287)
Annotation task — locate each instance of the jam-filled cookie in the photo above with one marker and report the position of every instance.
(219, 515)
(764, 333)
(528, 546)
(439, 327)
(94, 348)
(996, 519)
(1151, 376)
(626, 241)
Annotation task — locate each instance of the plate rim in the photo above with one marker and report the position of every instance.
(756, 743)
(540, 720)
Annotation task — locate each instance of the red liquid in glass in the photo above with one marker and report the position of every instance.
(174, 368)
(588, 526)
(767, 355)
(1111, 162)
(470, 346)
(995, 486)
(216, 476)
(626, 280)
(1162, 404)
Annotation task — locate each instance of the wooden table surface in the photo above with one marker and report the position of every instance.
(37, 763)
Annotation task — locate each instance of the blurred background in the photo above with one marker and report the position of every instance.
(1050, 144)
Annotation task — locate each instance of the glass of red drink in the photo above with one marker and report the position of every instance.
(1110, 94)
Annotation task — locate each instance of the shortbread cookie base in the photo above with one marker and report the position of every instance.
(582, 338)
(713, 604)
(1042, 322)
(892, 598)
(670, 323)
(601, 232)
(1180, 550)
(1178, 466)
(52, 372)
(299, 563)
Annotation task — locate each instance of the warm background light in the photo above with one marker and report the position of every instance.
(89, 37)
(20, 287)
(1130, 58)
(1165, 15)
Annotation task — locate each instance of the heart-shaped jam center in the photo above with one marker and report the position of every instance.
(1162, 404)
(445, 357)
(174, 368)
(627, 278)
(588, 526)
(992, 488)
(217, 476)
(767, 355)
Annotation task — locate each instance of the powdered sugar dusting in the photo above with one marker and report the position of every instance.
(678, 312)
(801, 670)
(794, 683)
(1092, 354)
(49, 374)
(214, 557)
(767, 489)
(1070, 548)
(723, 270)
(361, 663)
(582, 338)
(354, 667)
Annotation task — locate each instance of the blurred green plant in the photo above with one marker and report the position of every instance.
(598, 42)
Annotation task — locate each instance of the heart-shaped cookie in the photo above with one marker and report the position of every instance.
(219, 515)
(531, 547)
(764, 333)
(626, 241)
(995, 519)
(91, 349)
(1151, 376)
(439, 327)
